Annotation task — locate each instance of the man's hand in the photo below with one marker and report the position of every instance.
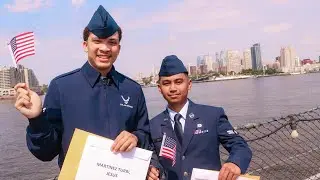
(124, 142)
(27, 102)
(153, 173)
(229, 171)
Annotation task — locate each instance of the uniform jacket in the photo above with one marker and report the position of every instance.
(206, 127)
(79, 99)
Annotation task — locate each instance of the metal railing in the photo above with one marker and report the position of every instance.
(284, 148)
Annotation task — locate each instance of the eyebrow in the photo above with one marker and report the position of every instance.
(113, 39)
(173, 80)
(95, 38)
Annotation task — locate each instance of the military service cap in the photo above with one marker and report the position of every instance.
(172, 65)
(102, 24)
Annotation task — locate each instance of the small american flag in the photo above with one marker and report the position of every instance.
(22, 46)
(168, 148)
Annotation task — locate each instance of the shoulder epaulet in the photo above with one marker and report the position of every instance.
(67, 73)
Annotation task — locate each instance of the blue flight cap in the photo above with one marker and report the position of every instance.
(102, 24)
(172, 65)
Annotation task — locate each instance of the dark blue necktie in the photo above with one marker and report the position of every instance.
(105, 81)
(178, 127)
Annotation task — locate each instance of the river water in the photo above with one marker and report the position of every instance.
(244, 101)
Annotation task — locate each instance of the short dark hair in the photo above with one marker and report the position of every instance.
(86, 33)
(159, 77)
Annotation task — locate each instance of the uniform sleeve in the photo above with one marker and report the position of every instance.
(239, 151)
(44, 132)
(143, 127)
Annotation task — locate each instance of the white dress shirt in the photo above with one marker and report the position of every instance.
(183, 113)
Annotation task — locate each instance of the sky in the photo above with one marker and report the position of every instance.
(153, 29)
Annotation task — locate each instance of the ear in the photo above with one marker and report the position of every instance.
(85, 46)
(119, 49)
(159, 88)
(189, 85)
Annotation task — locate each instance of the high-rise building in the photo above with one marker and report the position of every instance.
(199, 61)
(233, 61)
(207, 60)
(222, 63)
(30, 78)
(215, 67)
(288, 59)
(297, 61)
(218, 59)
(223, 59)
(193, 70)
(203, 69)
(256, 57)
(5, 80)
(284, 56)
(247, 62)
(10, 76)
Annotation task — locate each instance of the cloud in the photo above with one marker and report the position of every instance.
(190, 16)
(276, 28)
(78, 2)
(27, 5)
(212, 43)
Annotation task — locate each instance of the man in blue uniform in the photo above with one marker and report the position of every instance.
(187, 135)
(95, 98)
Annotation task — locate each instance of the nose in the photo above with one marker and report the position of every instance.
(104, 48)
(172, 87)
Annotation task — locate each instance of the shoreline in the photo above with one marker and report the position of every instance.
(10, 98)
(229, 78)
(4, 98)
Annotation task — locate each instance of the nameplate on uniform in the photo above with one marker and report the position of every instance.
(96, 160)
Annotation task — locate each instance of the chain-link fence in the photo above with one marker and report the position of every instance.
(284, 148)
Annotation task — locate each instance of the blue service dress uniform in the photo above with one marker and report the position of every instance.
(205, 128)
(79, 99)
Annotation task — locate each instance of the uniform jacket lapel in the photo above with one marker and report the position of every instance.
(190, 125)
(166, 127)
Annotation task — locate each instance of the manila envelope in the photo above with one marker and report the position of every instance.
(89, 157)
(204, 174)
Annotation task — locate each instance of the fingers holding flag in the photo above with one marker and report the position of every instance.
(27, 101)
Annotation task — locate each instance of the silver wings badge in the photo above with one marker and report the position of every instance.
(126, 101)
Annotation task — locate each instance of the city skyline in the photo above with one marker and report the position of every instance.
(185, 28)
(234, 61)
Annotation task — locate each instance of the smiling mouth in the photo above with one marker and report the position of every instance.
(104, 57)
(173, 96)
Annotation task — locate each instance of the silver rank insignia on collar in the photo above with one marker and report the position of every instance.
(191, 115)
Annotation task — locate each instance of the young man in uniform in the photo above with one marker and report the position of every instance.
(187, 135)
(95, 98)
